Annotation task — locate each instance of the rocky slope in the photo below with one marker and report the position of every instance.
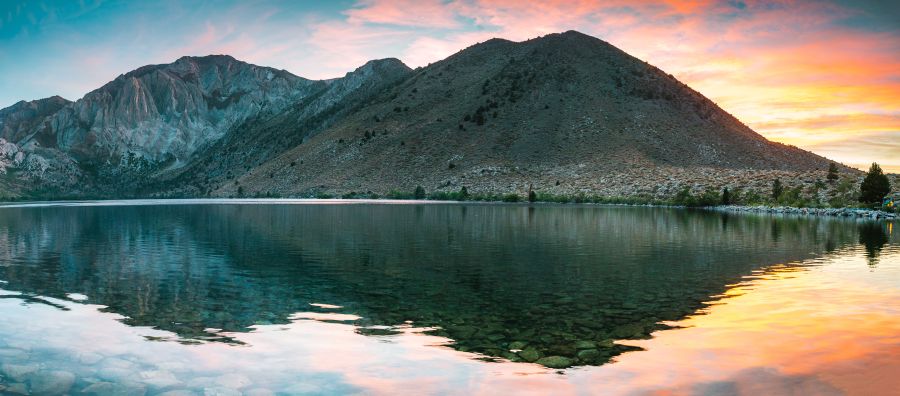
(165, 111)
(565, 112)
(263, 138)
(20, 119)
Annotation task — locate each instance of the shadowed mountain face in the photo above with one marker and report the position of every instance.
(552, 280)
(171, 110)
(265, 137)
(495, 117)
(500, 115)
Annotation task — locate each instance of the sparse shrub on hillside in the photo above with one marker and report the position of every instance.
(511, 198)
(684, 198)
(832, 172)
(792, 197)
(709, 197)
(842, 195)
(396, 194)
(479, 118)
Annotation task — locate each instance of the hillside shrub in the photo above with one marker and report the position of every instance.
(419, 193)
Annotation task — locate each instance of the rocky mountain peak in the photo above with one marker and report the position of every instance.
(18, 120)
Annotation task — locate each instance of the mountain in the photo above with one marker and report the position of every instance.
(21, 118)
(263, 138)
(566, 113)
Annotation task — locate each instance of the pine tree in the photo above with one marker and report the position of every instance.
(726, 197)
(832, 172)
(463, 193)
(419, 193)
(777, 189)
(532, 196)
(875, 186)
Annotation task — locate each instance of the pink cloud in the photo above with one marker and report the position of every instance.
(421, 13)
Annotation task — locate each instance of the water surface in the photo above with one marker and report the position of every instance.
(328, 297)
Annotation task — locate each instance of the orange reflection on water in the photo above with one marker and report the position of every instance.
(827, 329)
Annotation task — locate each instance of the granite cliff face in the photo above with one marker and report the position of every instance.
(20, 119)
(567, 113)
(164, 111)
(265, 137)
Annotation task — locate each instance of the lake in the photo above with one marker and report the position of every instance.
(264, 297)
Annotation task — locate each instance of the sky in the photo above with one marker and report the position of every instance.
(821, 75)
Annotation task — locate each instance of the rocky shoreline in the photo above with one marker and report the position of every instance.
(831, 212)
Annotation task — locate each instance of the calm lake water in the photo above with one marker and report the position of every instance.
(299, 297)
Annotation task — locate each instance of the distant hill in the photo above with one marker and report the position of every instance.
(565, 112)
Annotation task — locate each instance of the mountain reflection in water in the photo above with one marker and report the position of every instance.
(559, 285)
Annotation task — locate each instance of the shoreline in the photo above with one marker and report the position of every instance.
(858, 213)
(872, 214)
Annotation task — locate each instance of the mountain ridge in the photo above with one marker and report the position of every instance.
(564, 112)
(552, 112)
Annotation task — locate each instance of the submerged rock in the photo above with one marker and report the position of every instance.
(89, 358)
(585, 345)
(259, 392)
(159, 378)
(18, 372)
(632, 330)
(518, 345)
(556, 362)
(16, 389)
(588, 355)
(55, 382)
(218, 391)
(179, 392)
(233, 380)
(530, 354)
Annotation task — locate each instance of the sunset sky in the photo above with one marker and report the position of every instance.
(824, 76)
